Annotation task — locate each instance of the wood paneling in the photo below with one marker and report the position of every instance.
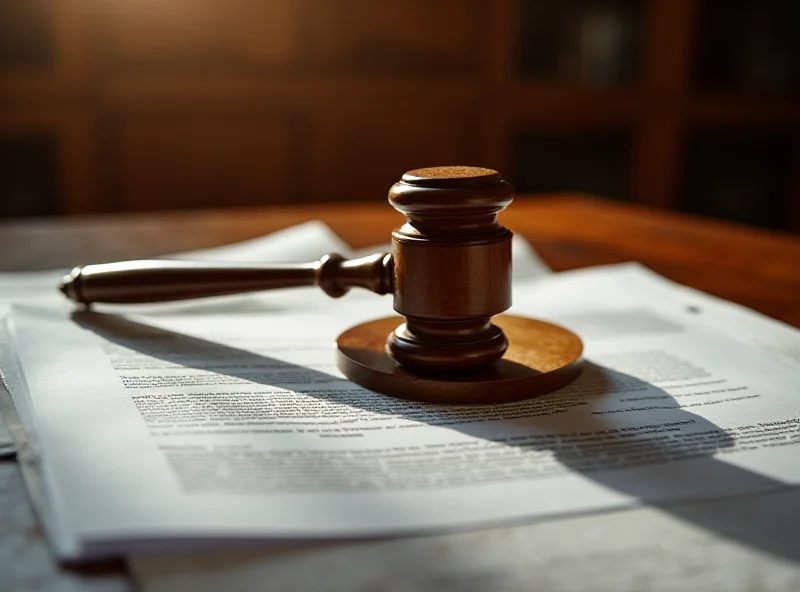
(546, 161)
(668, 52)
(72, 133)
(45, 51)
(380, 86)
(343, 142)
(199, 34)
(26, 35)
(200, 159)
(27, 173)
(420, 35)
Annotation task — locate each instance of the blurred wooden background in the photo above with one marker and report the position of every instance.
(127, 105)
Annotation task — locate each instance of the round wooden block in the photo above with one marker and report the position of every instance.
(541, 358)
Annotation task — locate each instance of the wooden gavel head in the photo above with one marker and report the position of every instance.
(449, 272)
(452, 268)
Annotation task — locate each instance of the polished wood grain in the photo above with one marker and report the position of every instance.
(752, 267)
(541, 358)
(452, 268)
(153, 280)
(449, 271)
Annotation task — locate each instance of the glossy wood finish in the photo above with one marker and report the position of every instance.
(133, 282)
(452, 268)
(449, 273)
(752, 267)
(541, 358)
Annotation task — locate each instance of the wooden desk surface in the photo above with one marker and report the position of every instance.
(755, 268)
(752, 267)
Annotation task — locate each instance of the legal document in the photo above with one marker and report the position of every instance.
(33, 286)
(296, 244)
(168, 427)
(304, 242)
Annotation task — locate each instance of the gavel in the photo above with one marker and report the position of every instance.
(449, 273)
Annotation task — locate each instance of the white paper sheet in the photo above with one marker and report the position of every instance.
(273, 444)
(737, 544)
(303, 242)
(35, 286)
(297, 244)
(734, 320)
(670, 549)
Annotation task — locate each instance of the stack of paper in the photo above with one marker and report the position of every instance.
(222, 421)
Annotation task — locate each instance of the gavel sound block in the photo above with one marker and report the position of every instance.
(449, 272)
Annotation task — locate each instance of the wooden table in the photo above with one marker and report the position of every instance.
(752, 267)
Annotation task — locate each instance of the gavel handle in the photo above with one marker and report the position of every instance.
(132, 282)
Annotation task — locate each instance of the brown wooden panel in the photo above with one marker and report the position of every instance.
(793, 207)
(392, 35)
(668, 47)
(358, 156)
(559, 105)
(656, 167)
(44, 50)
(72, 132)
(499, 62)
(26, 35)
(199, 34)
(200, 160)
